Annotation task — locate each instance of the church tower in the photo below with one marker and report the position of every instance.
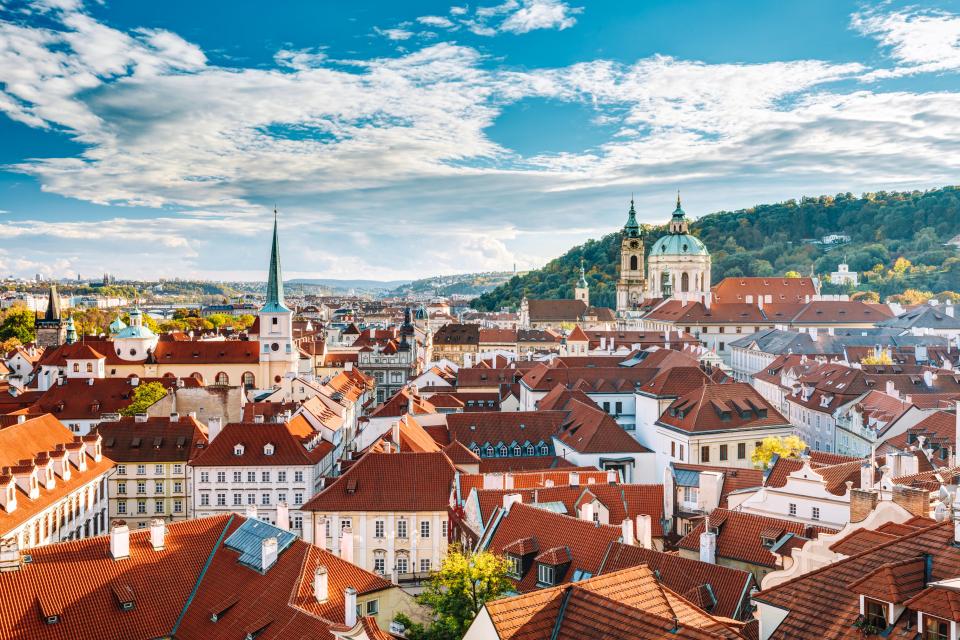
(278, 356)
(582, 290)
(51, 331)
(679, 263)
(632, 284)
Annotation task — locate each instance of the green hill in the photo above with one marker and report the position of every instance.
(772, 239)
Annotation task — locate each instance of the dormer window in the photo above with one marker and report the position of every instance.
(875, 613)
(268, 449)
(514, 567)
(545, 575)
(238, 450)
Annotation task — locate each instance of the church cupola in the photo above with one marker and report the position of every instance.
(679, 264)
(632, 228)
(678, 223)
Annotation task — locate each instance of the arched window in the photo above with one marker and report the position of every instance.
(222, 378)
(633, 263)
(76, 367)
(685, 282)
(249, 381)
(89, 367)
(489, 451)
(543, 450)
(516, 450)
(502, 451)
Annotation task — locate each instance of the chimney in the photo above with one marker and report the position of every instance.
(89, 382)
(626, 531)
(508, 480)
(612, 476)
(258, 418)
(928, 379)
(268, 554)
(157, 531)
(511, 499)
(120, 540)
(320, 532)
(140, 417)
(574, 479)
(913, 499)
(214, 427)
(320, 583)
(891, 389)
(948, 310)
(283, 516)
(395, 428)
(394, 577)
(862, 503)
(909, 465)
(350, 607)
(21, 419)
(645, 530)
(708, 544)
(866, 476)
(346, 544)
(134, 381)
(174, 417)
(251, 512)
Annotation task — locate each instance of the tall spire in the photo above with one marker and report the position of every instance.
(583, 276)
(275, 278)
(53, 304)
(632, 228)
(678, 198)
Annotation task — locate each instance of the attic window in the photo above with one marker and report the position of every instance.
(768, 542)
(268, 449)
(238, 450)
(352, 485)
(124, 595)
(135, 443)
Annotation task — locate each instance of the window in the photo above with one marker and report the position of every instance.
(158, 506)
(691, 495)
(875, 613)
(514, 567)
(141, 487)
(158, 469)
(298, 476)
(741, 451)
(222, 378)
(344, 523)
(251, 498)
(402, 564)
(681, 453)
(378, 529)
(793, 509)
(141, 506)
(544, 450)
(122, 488)
(935, 628)
(529, 449)
(178, 468)
(373, 607)
(265, 499)
(265, 476)
(121, 469)
(379, 564)
(424, 565)
(281, 476)
(704, 454)
(204, 499)
(516, 450)
(401, 528)
(237, 476)
(298, 522)
(545, 574)
(298, 498)
(502, 451)
(723, 452)
(141, 469)
(238, 499)
(424, 528)
(606, 407)
(122, 507)
(815, 513)
(221, 476)
(251, 476)
(619, 407)
(673, 449)
(221, 499)
(443, 528)
(204, 476)
(178, 506)
(158, 486)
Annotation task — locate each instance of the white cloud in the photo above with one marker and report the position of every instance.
(921, 41)
(395, 34)
(300, 58)
(540, 14)
(436, 21)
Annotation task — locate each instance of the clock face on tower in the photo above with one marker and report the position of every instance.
(634, 244)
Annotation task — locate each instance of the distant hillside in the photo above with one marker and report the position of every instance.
(772, 239)
(346, 285)
(463, 284)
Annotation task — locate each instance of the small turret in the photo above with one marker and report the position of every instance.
(71, 331)
(632, 228)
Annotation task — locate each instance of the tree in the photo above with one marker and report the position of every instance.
(881, 358)
(866, 296)
(144, 397)
(900, 265)
(792, 274)
(788, 447)
(457, 592)
(18, 323)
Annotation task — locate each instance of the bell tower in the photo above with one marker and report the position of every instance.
(632, 284)
(582, 290)
(278, 354)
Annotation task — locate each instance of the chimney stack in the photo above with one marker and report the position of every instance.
(320, 532)
(268, 554)
(511, 499)
(346, 544)
(626, 531)
(157, 532)
(574, 480)
(283, 516)
(251, 512)
(321, 583)
(120, 540)
(174, 417)
(9, 556)
(586, 511)
(708, 544)
(866, 476)
(395, 428)
(645, 530)
(350, 606)
(214, 427)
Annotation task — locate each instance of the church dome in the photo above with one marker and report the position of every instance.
(680, 244)
(117, 326)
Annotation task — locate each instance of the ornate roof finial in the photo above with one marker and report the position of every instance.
(678, 198)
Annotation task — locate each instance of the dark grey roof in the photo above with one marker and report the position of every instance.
(925, 317)
(779, 342)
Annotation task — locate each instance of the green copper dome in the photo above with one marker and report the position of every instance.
(682, 244)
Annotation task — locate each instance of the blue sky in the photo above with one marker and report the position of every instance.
(407, 139)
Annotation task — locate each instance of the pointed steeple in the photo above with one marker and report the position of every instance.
(53, 305)
(275, 278)
(583, 276)
(632, 228)
(71, 331)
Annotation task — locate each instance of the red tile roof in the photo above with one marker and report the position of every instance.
(390, 482)
(78, 399)
(780, 289)
(894, 581)
(741, 535)
(289, 448)
(722, 407)
(729, 587)
(208, 352)
(941, 601)
(156, 440)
